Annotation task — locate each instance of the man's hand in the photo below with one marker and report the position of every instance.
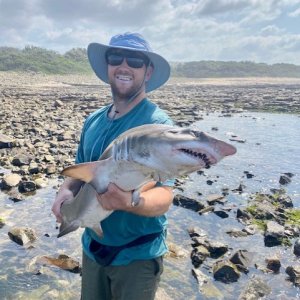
(63, 195)
(68, 189)
(115, 198)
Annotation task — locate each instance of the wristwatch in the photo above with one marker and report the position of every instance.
(135, 199)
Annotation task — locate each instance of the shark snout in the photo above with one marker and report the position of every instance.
(224, 149)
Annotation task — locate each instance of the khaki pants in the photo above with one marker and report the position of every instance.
(136, 281)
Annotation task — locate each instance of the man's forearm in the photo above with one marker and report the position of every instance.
(154, 202)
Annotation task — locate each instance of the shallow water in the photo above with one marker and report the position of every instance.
(271, 148)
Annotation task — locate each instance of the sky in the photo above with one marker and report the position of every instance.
(263, 31)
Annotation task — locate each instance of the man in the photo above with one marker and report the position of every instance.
(132, 70)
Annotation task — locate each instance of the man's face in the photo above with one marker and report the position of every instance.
(126, 72)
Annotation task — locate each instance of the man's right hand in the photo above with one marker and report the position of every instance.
(64, 194)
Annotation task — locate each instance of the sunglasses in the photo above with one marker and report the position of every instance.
(133, 59)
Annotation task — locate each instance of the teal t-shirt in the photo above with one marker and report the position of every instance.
(122, 227)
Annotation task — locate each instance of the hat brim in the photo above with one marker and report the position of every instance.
(161, 68)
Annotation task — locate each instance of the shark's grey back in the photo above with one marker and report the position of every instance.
(136, 132)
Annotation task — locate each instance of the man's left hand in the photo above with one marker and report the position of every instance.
(115, 198)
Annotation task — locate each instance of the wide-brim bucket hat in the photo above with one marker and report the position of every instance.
(129, 41)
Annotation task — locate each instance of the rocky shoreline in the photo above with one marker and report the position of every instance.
(41, 119)
(41, 116)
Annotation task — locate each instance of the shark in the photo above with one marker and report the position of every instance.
(153, 152)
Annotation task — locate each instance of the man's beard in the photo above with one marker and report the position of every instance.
(128, 94)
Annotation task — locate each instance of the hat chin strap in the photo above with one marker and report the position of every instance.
(138, 91)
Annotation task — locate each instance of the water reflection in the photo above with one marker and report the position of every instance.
(271, 148)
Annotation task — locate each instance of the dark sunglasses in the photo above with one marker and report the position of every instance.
(133, 59)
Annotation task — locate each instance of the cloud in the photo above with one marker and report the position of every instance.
(113, 13)
(209, 7)
(177, 29)
(295, 13)
(271, 30)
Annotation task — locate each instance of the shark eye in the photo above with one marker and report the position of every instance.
(198, 134)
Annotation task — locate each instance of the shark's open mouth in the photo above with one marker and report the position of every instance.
(200, 155)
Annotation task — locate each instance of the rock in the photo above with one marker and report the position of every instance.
(175, 251)
(294, 273)
(48, 158)
(221, 213)
(248, 175)
(296, 249)
(242, 214)
(22, 235)
(21, 160)
(274, 234)
(196, 232)
(58, 103)
(200, 240)
(198, 255)
(2, 222)
(192, 204)
(10, 181)
(236, 233)
(207, 289)
(34, 168)
(41, 182)
(240, 188)
(284, 180)
(250, 229)
(161, 294)
(273, 264)
(236, 139)
(206, 209)
(264, 211)
(217, 249)
(226, 272)
(27, 187)
(291, 230)
(215, 198)
(15, 196)
(51, 169)
(62, 261)
(255, 289)
(6, 141)
(285, 201)
(242, 259)
(289, 174)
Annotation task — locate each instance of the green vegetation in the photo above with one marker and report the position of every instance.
(261, 224)
(252, 209)
(215, 69)
(293, 217)
(285, 242)
(37, 59)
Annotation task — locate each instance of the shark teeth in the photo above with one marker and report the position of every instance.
(202, 156)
